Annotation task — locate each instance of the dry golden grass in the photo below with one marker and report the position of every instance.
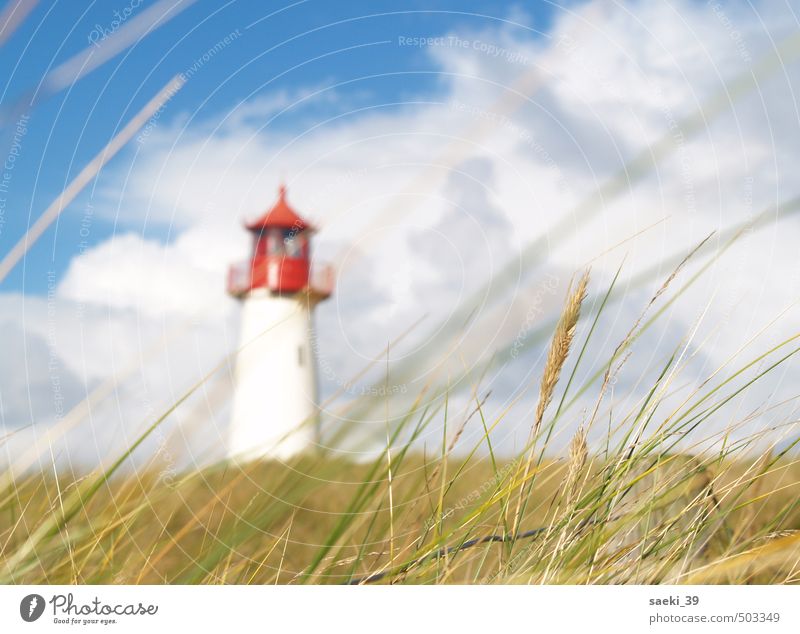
(264, 522)
(636, 505)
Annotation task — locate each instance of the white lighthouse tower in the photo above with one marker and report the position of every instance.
(275, 398)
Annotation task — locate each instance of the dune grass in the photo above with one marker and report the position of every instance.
(654, 498)
(669, 518)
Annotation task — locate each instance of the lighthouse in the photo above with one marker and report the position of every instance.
(275, 410)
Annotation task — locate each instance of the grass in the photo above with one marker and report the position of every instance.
(640, 496)
(682, 518)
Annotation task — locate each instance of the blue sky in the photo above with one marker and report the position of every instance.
(428, 169)
(277, 47)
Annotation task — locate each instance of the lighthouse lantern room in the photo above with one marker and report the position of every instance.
(274, 412)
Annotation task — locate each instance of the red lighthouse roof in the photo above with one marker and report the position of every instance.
(281, 215)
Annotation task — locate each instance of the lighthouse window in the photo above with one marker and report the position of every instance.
(274, 242)
(301, 356)
(294, 244)
(293, 249)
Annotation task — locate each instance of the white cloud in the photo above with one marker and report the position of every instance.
(130, 273)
